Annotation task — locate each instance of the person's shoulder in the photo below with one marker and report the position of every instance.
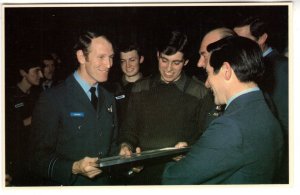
(197, 83)
(58, 90)
(280, 63)
(142, 84)
(107, 92)
(277, 58)
(12, 90)
(223, 129)
(112, 87)
(197, 88)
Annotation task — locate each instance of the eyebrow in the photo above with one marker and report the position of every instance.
(177, 60)
(202, 52)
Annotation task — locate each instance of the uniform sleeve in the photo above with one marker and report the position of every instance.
(45, 124)
(215, 156)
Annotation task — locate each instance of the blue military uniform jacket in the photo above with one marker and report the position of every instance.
(66, 128)
(243, 146)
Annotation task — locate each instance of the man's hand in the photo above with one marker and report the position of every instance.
(180, 145)
(125, 150)
(27, 121)
(8, 180)
(86, 167)
(139, 168)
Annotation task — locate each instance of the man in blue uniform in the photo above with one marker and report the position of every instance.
(74, 123)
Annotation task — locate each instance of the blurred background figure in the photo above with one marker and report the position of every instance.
(275, 82)
(20, 100)
(48, 67)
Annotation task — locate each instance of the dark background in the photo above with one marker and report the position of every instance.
(30, 31)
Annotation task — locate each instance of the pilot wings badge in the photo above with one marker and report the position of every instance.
(110, 109)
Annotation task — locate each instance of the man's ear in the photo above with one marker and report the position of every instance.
(80, 56)
(22, 72)
(262, 39)
(141, 59)
(227, 70)
(185, 62)
(157, 55)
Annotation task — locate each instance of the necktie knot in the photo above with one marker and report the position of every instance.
(93, 90)
(94, 99)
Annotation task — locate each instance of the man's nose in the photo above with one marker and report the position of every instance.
(207, 85)
(201, 62)
(169, 66)
(108, 63)
(128, 64)
(41, 74)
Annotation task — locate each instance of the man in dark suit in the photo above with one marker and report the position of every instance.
(74, 123)
(275, 80)
(244, 145)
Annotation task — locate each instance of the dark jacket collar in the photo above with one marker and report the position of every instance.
(124, 82)
(244, 100)
(180, 83)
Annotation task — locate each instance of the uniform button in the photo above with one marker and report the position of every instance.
(79, 127)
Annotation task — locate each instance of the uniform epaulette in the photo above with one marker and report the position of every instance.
(197, 88)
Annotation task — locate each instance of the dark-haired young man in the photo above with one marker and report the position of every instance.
(74, 123)
(131, 58)
(164, 110)
(20, 100)
(245, 144)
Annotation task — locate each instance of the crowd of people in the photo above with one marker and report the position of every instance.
(58, 127)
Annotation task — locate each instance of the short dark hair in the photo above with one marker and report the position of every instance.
(257, 26)
(46, 56)
(243, 54)
(127, 46)
(174, 42)
(84, 41)
(28, 62)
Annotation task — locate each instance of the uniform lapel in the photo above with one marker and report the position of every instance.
(77, 95)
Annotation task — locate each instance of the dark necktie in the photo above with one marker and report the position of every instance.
(94, 99)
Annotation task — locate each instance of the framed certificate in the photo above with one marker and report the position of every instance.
(149, 154)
